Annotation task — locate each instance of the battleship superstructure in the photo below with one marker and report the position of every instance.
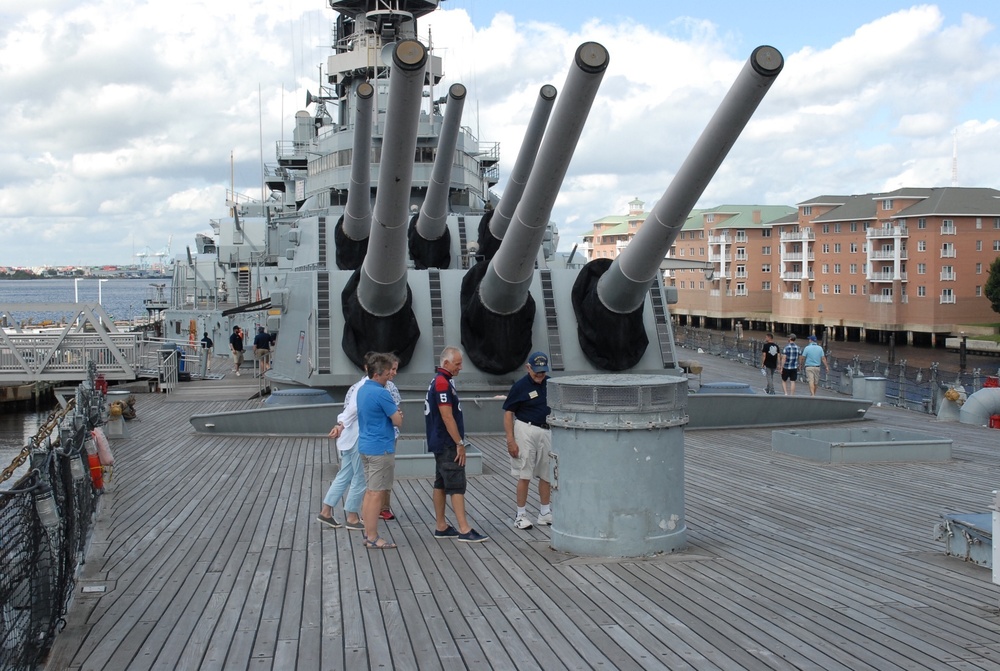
(381, 232)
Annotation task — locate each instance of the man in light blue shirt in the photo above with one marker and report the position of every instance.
(814, 356)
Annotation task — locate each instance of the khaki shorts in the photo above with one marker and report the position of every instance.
(238, 358)
(380, 470)
(534, 444)
(812, 374)
(262, 354)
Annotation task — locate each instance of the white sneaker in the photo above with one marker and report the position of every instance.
(522, 522)
(544, 520)
(237, 373)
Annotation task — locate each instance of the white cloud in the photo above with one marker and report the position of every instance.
(119, 116)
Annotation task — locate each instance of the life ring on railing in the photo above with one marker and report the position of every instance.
(103, 447)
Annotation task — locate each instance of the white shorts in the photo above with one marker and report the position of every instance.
(534, 444)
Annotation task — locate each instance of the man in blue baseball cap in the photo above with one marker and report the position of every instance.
(529, 441)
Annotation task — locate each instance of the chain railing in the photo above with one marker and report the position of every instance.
(45, 520)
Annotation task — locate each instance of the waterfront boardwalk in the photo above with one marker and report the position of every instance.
(211, 557)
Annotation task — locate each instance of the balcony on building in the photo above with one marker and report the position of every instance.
(717, 258)
(948, 228)
(795, 276)
(947, 298)
(792, 295)
(890, 254)
(888, 232)
(722, 239)
(804, 234)
(886, 276)
(948, 253)
(947, 276)
(798, 256)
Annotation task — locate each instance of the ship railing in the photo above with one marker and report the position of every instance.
(36, 357)
(46, 519)
(920, 389)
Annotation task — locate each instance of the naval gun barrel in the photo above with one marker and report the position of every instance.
(429, 240)
(379, 315)
(499, 219)
(351, 235)
(621, 288)
(497, 310)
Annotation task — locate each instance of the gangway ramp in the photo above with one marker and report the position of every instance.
(60, 353)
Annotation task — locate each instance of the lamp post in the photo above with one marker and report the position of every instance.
(76, 298)
(962, 353)
(100, 283)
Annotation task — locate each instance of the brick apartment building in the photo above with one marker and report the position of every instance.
(911, 262)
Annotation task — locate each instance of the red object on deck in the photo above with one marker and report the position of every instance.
(995, 421)
(992, 381)
(96, 470)
(101, 384)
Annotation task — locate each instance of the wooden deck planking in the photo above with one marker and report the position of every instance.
(213, 560)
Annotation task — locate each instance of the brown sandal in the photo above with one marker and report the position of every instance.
(376, 545)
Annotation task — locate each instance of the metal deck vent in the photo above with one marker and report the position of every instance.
(617, 393)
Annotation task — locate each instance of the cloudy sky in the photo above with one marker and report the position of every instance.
(118, 118)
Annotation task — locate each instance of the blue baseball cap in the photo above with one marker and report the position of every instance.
(539, 362)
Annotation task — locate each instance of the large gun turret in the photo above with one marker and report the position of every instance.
(608, 297)
(351, 233)
(376, 301)
(497, 310)
(429, 239)
(493, 225)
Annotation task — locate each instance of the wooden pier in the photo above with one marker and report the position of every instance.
(209, 556)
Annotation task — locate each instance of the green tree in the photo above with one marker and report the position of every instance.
(992, 288)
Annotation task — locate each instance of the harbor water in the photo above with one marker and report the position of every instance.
(121, 298)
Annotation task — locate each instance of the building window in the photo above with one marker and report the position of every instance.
(765, 233)
(854, 289)
(826, 228)
(854, 248)
(836, 228)
(709, 218)
(922, 223)
(765, 250)
(921, 268)
(701, 285)
(854, 227)
(741, 271)
(979, 269)
(979, 245)
(836, 288)
(701, 251)
(836, 269)
(887, 204)
(836, 248)
(826, 288)
(826, 268)
(948, 250)
(807, 210)
(921, 291)
(921, 245)
(996, 245)
(996, 223)
(979, 290)
(766, 268)
(682, 284)
(681, 252)
(979, 223)
(741, 289)
(947, 227)
(947, 296)
(854, 268)
(765, 286)
(826, 248)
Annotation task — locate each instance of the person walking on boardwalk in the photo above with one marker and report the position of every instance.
(769, 361)
(236, 347)
(386, 512)
(207, 344)
(262, 349)
(813, 357)
(529, 441)
(351, 476)
(446, 439)
(789, 366)
(377, 415)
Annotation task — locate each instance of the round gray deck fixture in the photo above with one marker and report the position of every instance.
(618, 464)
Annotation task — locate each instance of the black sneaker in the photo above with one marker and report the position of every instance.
(450, 532)
(472, 537)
